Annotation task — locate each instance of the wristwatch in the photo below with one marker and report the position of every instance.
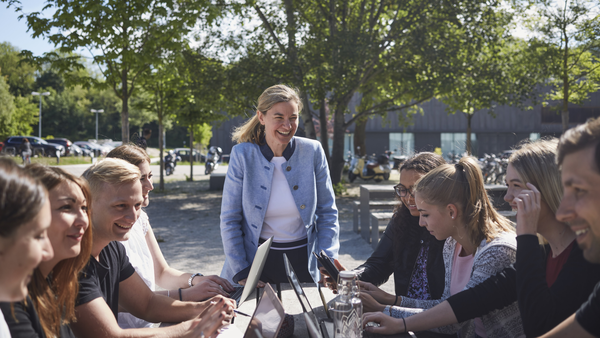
(192, 278)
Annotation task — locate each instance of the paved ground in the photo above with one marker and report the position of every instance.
(185, 219)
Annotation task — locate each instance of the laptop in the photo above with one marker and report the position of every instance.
(326, 324)
(266, 320)
(241, 293)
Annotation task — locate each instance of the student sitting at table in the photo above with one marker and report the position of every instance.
(550, 282)
(53, 289)
(24, 221)
(109, 281)
(454, 206)
(406, 249)
(147, 258)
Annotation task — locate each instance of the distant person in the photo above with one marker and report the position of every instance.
(24, 221)
(110, 282)
(143, 141)
(277, 185)
(146, 257)
(55, 281)
(26, 151)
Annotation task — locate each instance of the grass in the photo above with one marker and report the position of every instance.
(52, 160)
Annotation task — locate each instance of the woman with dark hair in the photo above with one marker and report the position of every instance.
(406, 249)
(24, 221)
(147, 258)
(50, 306)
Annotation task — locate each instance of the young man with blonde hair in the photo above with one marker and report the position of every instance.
(110, 282)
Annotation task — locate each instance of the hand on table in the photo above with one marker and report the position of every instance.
(207, 287)
(217, 314)
(327, 280)
(260, 283)
(528, 210)
(387, 324)
(370, 304)
(379, 295)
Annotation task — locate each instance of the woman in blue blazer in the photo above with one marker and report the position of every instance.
(278, 186)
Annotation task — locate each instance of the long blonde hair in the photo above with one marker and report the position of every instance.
(535, 163)
(252, 131)
(462, 184)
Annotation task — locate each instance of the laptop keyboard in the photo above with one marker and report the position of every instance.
(237, 293)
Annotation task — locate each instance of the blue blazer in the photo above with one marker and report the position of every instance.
(246, 197)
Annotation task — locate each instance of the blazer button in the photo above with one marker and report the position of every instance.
(295, 187)
(302, 206)
(288, 168)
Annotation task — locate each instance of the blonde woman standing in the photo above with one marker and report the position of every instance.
(278, 186)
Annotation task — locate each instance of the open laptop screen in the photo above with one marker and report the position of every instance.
(268, 316)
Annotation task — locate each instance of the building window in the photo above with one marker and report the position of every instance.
(576, 114)
(348, 143)
(456, 144)
(402, 143)
(534, 136)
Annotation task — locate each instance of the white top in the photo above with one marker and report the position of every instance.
(4, 332)
(140, 257)
(282, 219)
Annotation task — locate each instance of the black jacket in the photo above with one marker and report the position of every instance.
(383, 262)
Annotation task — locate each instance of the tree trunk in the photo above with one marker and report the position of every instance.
(125, 110)
(161, 149)
(323, 130)
(192, 152)
(309, 126)
(360, 139)
(565, 103)
(336, 164)
(469, 117)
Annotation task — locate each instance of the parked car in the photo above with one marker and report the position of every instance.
(63, 142)
(92, 147)
(38, 145)
(78, 151)
(184, 153)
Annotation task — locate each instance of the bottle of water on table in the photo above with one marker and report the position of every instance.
(347, 308)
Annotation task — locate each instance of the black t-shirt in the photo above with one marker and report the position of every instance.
(588, 314)
(102, 278)
(26, 323)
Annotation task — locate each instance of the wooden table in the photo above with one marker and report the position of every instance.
(370, 192)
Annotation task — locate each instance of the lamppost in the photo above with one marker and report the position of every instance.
(40, 95)
(97, 112)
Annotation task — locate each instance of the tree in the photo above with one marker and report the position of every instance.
(125, 37)
(570, 32)
(20, 75)
(16, 113)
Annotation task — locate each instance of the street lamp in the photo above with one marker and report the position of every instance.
(40, 95)
(97, 112)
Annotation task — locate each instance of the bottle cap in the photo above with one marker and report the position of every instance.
(347, 274)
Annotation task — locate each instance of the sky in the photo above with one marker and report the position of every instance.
(14, 30)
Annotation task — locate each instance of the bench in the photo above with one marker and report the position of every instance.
(217, 178)
(379, 221)
(369, 193)
(373, 205)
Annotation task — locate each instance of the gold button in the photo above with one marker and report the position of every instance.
(295, 187)
(288, 168)
(302, 206)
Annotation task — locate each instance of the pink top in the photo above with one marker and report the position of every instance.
(461, 274)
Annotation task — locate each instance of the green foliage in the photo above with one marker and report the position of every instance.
(20, 75)
(568, 35)
(339, 188)
(16, 113)
(202, 133)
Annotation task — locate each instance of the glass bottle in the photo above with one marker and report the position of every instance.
(347, 308)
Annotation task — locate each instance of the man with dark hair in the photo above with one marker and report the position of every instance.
(579, 158)
(143, 141)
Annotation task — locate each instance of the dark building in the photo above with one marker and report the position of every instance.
(435, 128)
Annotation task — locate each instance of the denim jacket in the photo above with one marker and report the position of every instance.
(246, 197)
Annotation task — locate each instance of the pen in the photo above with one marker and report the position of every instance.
(241, 313)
